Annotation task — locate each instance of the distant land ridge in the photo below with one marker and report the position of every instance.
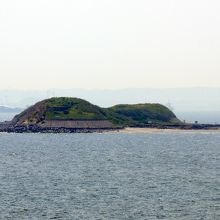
(4, 109)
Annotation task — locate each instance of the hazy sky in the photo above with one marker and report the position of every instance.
(109, 43)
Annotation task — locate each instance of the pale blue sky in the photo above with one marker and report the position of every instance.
(109, 43)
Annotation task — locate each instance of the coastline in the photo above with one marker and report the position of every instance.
(103, 127)
(126, 130)
(130, 130)
(74, 115)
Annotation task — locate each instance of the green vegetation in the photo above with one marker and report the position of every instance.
(77, 109)
(141, 114)
(73, 108)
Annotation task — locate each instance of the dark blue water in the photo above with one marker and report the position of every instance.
(110, 176)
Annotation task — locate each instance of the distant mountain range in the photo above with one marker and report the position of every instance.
(4, 109)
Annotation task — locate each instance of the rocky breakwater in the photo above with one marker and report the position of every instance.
(6, 126)
(59, 126)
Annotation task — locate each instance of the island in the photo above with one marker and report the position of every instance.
(75, 115)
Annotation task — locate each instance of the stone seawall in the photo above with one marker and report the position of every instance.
(61, 126)
(5, 125)
(88, 126)
(78, 124)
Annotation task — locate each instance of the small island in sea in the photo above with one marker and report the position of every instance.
(69, 115)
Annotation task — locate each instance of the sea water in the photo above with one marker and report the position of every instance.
(163, 175)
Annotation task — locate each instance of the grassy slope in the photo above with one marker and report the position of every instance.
(141, 114)
(74, 108)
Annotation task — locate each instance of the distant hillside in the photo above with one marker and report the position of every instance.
(4, 109)
(141, 114)
(78, 109)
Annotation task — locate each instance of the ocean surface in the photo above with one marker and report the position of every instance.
(163, 175)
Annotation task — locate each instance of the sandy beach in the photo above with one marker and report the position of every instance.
(156, 130)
